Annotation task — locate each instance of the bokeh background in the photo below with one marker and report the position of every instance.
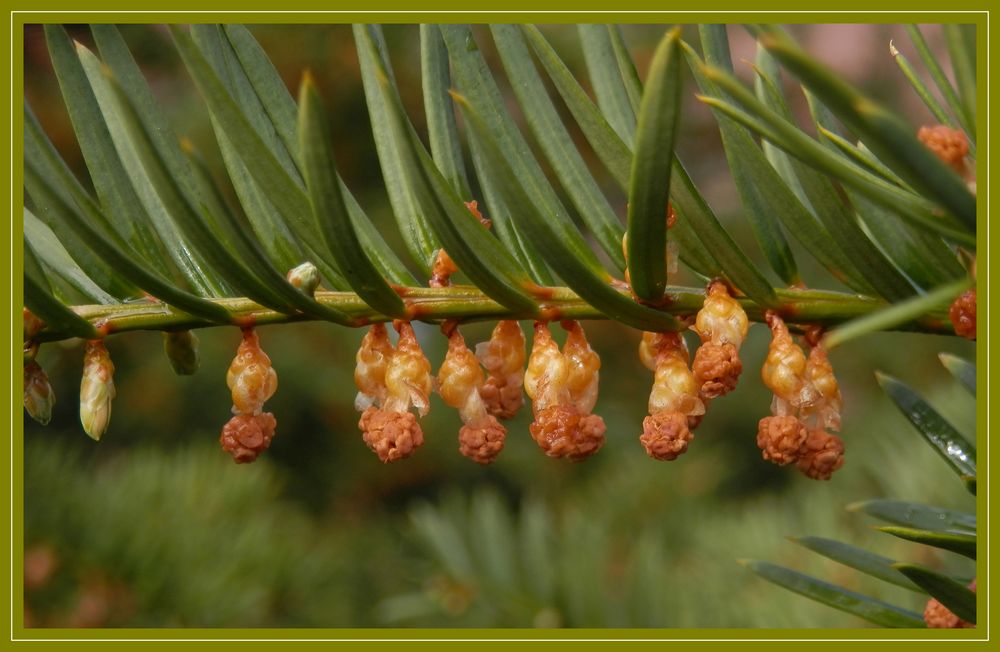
(156, 527)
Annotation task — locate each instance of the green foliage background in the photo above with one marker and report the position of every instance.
(155, 526)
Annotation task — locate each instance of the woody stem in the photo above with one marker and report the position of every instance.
(468, 304)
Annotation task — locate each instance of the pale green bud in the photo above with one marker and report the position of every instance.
(181, 348)
(305, 277)
(97, 389)
(38, 395)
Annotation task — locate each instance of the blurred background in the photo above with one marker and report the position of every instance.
(156, 527)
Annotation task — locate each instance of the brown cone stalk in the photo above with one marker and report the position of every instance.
(503, 357)
(443, 266)
(675, 407)
(560, 383)
(459, 382)
(390, 382)
(252, 381)
(442, 269)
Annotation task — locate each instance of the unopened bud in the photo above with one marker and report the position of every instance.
(181, 348)
(721, 319)
(38, 395)
(250, 377)
(305, 278)
(97, 389)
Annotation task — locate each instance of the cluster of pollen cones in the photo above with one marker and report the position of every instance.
(487, 386)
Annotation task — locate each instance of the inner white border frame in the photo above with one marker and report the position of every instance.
(14, 204)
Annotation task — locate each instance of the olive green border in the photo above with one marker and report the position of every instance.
(562, 12)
